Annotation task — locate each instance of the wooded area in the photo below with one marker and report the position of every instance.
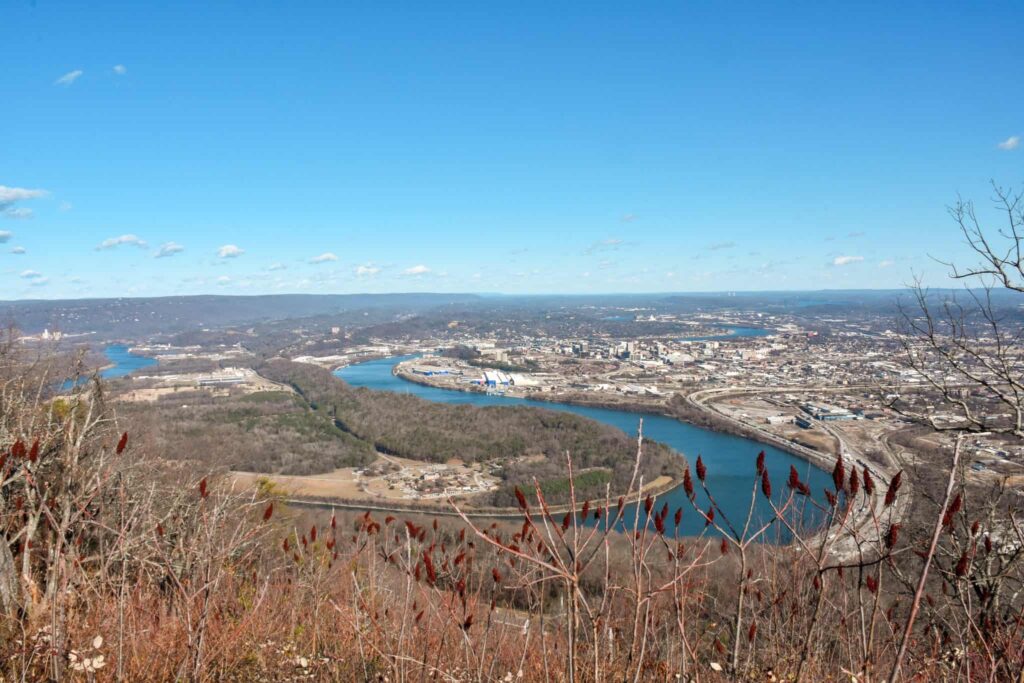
(411, 427)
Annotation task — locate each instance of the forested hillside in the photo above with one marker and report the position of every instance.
(413, 428)
(274, 432)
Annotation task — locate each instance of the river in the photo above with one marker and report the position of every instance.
(121, 362)
(734, 331)
(730, 459)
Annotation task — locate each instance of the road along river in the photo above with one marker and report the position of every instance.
(730, 459)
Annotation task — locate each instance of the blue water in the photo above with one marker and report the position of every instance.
(730, 459)
(735, 331)
(122, 362)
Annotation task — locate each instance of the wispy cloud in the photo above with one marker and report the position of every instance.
(18, 250)
(718, 246)
(30, 274)
(887, 263)
(858, 233)
(5, 235)
(629, 217)
(120, 69)
(19, 213)
(610, 244)
(39, 282)
(277, 266)
(367, 270)
(168, 249)
(223, 280)
(324, 258)
(69, 78)
(9, 195)
(112, 242)
(416, 271)
(230, 251)
(1012, 142)
(846, 260)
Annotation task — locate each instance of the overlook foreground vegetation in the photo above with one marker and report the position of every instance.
(116, 565)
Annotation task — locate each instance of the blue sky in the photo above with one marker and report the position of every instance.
(178, 148)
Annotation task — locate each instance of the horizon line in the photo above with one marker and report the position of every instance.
(484, 294)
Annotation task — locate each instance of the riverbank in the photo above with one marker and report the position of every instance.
(730, 460)
(687, 411)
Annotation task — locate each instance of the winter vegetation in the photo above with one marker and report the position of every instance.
(120, 564)
(116, 565)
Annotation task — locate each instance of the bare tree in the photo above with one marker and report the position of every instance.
(967, 348)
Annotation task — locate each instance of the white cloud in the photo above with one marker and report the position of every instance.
(39, 282)
(129, 239)
(367, 270)
(1012, 142)
(65, 206)
(69, 78)
(718, 246)
(277, 266)
(223, 280)
(416, 271)
(629, 218)
(886, 263)
(120, 69)
(324, 258)
(19, 213)
(230, 251)
(846, 260)
(5, 235)
(9, 195)
(169, 249)
(30, 274)
(18, 250)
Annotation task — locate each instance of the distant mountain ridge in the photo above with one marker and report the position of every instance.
(153, 315)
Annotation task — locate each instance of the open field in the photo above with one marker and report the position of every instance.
(216, 383)
(389, 478)
(349, 484)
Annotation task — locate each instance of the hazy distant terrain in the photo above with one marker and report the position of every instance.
(381, 314)
(137, 317)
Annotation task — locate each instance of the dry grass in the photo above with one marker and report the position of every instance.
(113, 569)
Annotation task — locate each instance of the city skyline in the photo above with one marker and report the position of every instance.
(150, 152)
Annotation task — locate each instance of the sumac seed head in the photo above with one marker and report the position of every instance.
(892, 536)
(894, 487)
